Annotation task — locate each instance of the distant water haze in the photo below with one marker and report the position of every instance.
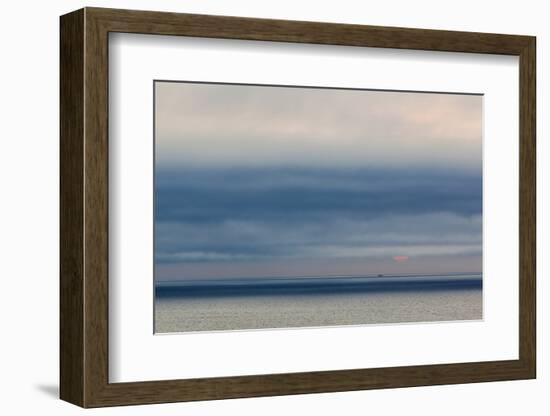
(291, 286)
(212, 305)
(319, 268)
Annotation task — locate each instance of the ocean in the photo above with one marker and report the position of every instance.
(240, 304)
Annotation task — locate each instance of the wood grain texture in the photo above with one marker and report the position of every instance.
(162, 23)
(71, 201)
(527, 208)
(84, 207)
(96, 228)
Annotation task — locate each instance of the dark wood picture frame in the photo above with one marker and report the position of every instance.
(84, 207)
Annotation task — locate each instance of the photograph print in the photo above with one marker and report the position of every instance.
(303, 207)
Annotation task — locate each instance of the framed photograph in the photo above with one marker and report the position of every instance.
(254, 207)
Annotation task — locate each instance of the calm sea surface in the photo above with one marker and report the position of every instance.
(311, 302)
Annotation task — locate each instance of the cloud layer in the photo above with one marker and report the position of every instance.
(213, 124)
(263, 181)
(258, 215)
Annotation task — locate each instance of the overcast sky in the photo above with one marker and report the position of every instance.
(256, 181)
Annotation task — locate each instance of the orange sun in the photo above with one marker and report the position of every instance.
(400, 259)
